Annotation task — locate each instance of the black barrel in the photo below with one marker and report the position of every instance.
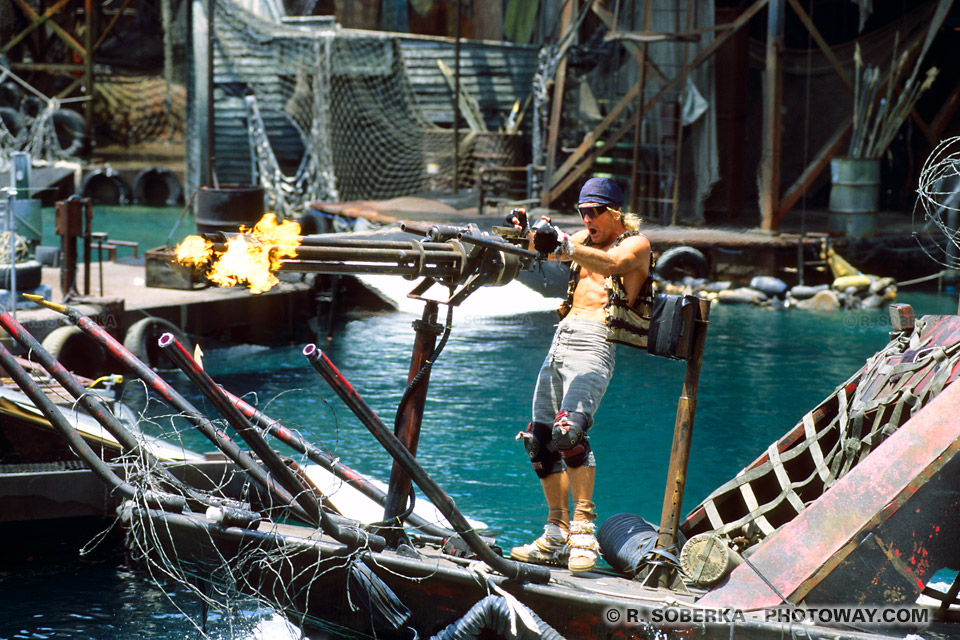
(624, 539)
(227, 207)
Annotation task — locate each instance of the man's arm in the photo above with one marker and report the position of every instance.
(630, 255)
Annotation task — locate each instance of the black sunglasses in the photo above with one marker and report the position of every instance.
(593, 212)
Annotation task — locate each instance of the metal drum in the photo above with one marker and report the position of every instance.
(227, 207)
(854, 196)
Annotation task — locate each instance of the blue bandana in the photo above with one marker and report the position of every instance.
(602, 191)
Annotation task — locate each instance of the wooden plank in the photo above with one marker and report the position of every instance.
(638, 121)
(469, 108)
(945, 114)
(110, 25)
(569, 171)
(824, 47)
(830, 149)
(38, 22)
(60, 31)
(556, 106)
(772, 108)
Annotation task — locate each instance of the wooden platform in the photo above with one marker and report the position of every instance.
(227, 313)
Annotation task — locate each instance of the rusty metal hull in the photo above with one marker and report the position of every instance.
(310, 574)
(878, 535)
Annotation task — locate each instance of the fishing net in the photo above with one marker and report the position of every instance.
(135, 109)
(335, 118)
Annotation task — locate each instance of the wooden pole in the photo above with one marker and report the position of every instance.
(682, 436)
(772, 105)
(200, 95)
(635, 186)
(37, 21)
(556, 105)
(408, 431)
(88, 41)
(586, 152)
(821, 161)
(456, 102)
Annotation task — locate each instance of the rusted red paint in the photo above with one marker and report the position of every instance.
(873, 491)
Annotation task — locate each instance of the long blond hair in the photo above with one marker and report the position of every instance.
(631, 221)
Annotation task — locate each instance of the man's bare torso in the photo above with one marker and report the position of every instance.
(590, 296)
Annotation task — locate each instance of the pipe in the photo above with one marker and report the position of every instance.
(92, 404)
(327, 241)
(328, 462)
(410, 408)
(340, 385)
(409, 271)
(276, 466)
(173, 398)
(59, 422)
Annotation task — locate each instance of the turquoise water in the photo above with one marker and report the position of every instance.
(149, 226)
(762, 371)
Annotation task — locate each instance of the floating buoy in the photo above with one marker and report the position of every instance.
(772, 287)
(71, 132)
(106, 186)
(141, 340)
(157, 187)
(742, 295)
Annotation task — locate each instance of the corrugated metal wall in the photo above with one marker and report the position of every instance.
(496, 74)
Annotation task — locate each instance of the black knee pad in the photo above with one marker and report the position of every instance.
(569, 437)
(537, 441)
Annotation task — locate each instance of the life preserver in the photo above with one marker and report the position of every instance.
(71, 132)
(106, 186)
(141, 340)
(676, 263)
(157, 187)
(78, 352)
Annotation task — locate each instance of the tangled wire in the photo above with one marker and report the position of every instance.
(939, 198)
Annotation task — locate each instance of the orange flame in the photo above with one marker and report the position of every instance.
(246, 261)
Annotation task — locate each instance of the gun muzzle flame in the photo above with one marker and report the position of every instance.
(250, 258)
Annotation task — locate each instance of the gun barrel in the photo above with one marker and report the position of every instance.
(441, 255)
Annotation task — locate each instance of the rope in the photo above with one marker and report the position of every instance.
(891, 387)
(935, 276)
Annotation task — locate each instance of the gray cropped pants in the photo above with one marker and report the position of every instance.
(575, 373)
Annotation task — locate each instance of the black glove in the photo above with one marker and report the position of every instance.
(517, 217)
(546, 238)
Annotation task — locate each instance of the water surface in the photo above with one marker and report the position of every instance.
(762, 371)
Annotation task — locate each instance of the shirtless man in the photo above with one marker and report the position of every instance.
(610, 263)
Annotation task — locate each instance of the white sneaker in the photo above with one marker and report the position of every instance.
(550, 548)
(582, 546)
